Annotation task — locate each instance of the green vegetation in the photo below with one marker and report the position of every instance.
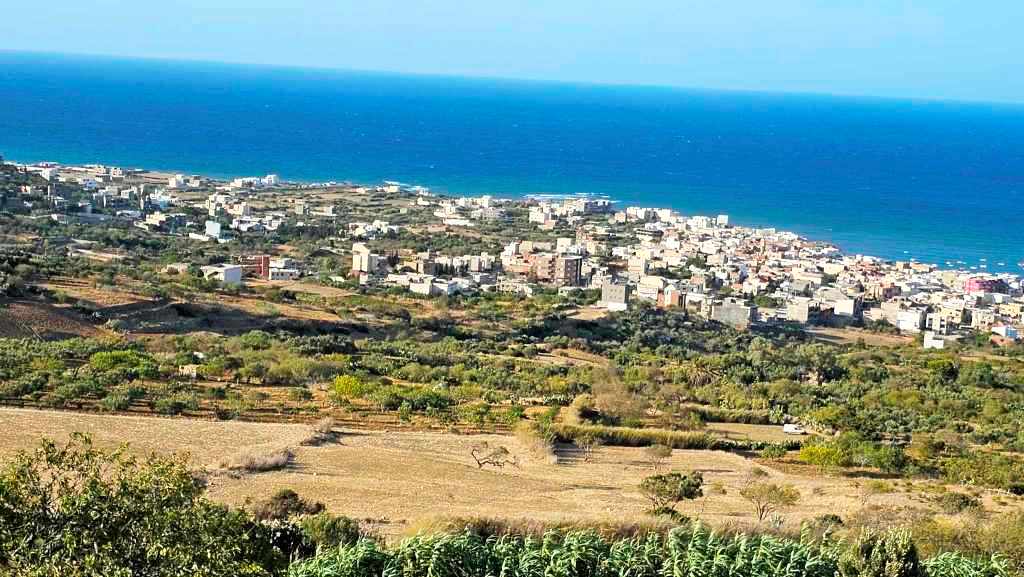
(685, 551)
(668, 489)
(768, 498)
(77, 510)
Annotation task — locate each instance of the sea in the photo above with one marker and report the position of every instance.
(937, 181)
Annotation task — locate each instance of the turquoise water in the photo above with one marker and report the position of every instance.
(942, 181)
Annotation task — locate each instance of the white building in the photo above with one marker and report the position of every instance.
(283, 274)
(225, 273)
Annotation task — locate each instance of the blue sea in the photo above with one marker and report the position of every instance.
(901, 179)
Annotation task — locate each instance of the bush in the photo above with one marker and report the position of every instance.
(122, 397)
(260, 462)
(175, 404)
(135, 364)
(823, 455)
(284, 504)
(954, 502)
(633, 437)
(346, 387)
(78, 510)
(299, 394)
(322, 432)
(774, 451)
(983, 468)
(658, 454)
(889, 554)
(767, 498)
(328, 531)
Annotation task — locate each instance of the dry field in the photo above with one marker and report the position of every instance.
(99, 298)
(30, 319)
(743, 431)
(849, 336)
(403, 479)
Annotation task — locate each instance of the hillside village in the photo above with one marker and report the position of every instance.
(708, 266)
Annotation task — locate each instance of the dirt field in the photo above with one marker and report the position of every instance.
(742, 431)
(589, 314)
(849, 336)
(402, 479)
(29, 319)
(98, 298)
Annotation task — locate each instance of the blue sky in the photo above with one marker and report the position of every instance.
(950, 49)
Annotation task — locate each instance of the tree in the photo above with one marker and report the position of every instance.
(666, 490)
(497, 457)
(587, 442)
(657, 454)
(78, 510)
(767, 498)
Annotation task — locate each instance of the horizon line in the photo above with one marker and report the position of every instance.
(520, 79)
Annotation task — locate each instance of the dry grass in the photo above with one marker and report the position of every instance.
(259, 462)
(400, 480)
(745, 432)
(322, 432)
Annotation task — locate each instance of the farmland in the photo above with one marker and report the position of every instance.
(402, 481)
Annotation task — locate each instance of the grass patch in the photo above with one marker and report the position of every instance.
(251, 462)
(633, 437)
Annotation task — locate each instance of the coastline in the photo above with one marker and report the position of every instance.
(939, 180)
(160, 175)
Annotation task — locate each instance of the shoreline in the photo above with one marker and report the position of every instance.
(1013, 269)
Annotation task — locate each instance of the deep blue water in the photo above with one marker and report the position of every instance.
(942, 181)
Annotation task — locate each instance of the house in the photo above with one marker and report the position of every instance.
(363, 260)
(568, 270)
(225, 273)
(1006, 331)
(734, 313)
(615, 297)
(910, 320)
(283, 274)
(933, 341)
(430, 286)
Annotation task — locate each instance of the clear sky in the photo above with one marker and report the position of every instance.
(953, 49)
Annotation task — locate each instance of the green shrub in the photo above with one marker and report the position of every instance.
(889, 554)
(132, 363)
(774, 451)
(954, 502)
(329, 531)
(78, 510)
(635, 437)
(351, 387)
(823, 455)
(284, 504)
(666, 490)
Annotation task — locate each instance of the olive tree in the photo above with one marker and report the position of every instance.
(666, 490)
(767, 498)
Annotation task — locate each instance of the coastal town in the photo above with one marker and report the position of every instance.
(543, 289)
(387, 351)
(706, 265)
